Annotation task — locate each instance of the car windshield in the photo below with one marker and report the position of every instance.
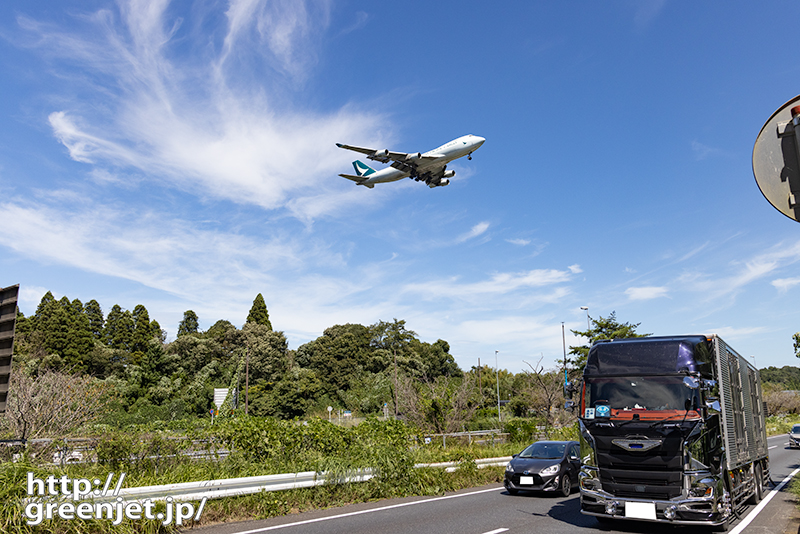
(796, 429)
(668, 396)
(542, 449)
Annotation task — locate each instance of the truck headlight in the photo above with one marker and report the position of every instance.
(703, 488)
(552, 470)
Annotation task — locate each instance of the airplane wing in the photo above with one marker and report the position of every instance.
(401, 160)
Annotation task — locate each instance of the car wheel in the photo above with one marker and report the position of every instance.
(566, 485)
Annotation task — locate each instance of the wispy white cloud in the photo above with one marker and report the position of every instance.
(497, 284)
(197, 123)
(646, 11)
(784, 284)
(741, 273)
(646, 293)
(359, 22)
(519, 241)
(475, 231)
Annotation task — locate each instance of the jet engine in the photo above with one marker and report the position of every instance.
(414, 156)
(381, 153)
(448, 174)
(444, 182)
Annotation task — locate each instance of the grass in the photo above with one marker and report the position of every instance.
(781, 424)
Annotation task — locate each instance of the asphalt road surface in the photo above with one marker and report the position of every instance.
(491, 510)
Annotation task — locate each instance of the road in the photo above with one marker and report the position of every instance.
(490, 510)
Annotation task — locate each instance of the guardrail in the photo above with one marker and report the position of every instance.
(234, 487)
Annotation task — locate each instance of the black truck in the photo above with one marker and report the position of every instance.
(672, 431)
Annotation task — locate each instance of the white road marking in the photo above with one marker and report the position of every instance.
(496, 531)
(773, 447)
(360, 512)
(752, 515)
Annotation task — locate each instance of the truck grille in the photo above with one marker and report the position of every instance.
(652, 474)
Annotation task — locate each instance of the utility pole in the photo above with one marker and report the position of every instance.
(497, 374)
(247, 379)
(480, 385)
(395, 381)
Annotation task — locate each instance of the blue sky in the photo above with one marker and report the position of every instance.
(182, 156)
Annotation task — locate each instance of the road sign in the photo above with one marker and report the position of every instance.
(220, 394)
(8, 322)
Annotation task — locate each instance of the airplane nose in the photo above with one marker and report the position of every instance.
(479, 140)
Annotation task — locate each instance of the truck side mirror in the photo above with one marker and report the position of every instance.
(691, 382)
(569, 406)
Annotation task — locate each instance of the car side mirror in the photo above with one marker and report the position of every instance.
(514, 456)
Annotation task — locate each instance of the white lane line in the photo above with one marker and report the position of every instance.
(773, 447)
(496, 531)
(360, 512)
(752, 515)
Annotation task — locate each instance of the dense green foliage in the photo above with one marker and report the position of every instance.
(787, 377)
(260, 446)
(349, 367)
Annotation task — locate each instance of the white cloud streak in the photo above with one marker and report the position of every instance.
(646, 293)
(475, 231)
(194, 123)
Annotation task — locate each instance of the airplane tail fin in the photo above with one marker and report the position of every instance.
(362, 169)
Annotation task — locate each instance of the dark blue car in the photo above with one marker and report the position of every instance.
(550, 466)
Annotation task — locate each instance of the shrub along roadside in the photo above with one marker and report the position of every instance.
(260, 446)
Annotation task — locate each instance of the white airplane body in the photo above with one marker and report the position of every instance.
(430, 167)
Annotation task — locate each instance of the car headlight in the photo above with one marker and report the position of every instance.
(509, 468)
(552, 470)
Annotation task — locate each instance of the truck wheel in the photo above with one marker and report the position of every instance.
(723, 527)
(758, 479)
(566, 485)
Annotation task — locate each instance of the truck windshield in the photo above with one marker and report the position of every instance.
(643, 397)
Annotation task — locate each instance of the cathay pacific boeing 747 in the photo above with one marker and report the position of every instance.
(429, 167)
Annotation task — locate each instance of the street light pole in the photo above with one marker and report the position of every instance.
(586, 309)
(497, 374)
(564, 341)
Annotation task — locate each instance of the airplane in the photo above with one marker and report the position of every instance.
(429, 167)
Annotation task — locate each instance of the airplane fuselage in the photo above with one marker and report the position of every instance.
(457, 148)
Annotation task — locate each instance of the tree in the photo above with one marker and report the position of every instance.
(142, 331)
(268, 359)
(258, 312)
(796, 339)
(95, 315)
(545, 392)
(338, 356)
(438, 406)
(604, 328)
(118, 331)
(189, 324)
(53, 404)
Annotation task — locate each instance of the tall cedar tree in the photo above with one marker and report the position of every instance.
(258, 312)
(96, 322)
(118, 331)
(189, 325)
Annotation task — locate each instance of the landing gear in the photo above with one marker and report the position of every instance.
(469, 156)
